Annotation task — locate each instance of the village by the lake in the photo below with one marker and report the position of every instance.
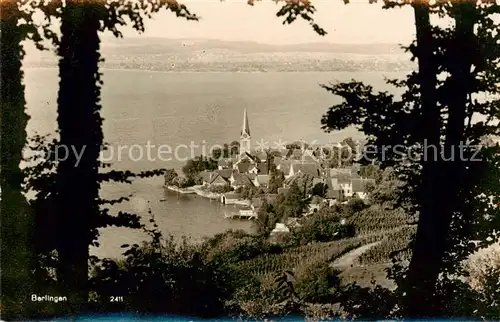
(251, 176)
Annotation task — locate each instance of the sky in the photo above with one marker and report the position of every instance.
(234, 20)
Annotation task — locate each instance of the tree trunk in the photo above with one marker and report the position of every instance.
(16, 228)
(423, 265)
(440, 179)
(80, 131)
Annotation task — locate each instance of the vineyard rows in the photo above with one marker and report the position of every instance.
(397, 240)
(299, 258)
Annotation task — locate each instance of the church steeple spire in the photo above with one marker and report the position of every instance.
(245, 135)
(245, 129)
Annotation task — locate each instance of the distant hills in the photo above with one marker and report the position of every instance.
(207, 55)
(160, 45)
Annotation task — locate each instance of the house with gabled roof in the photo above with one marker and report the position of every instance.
(240, 180)
(207, 176)
(218, 180)
(259, 168)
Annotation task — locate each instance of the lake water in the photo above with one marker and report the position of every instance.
(161, 108)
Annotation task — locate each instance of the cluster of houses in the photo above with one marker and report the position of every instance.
(252, 168)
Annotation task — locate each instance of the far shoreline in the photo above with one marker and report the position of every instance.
(226, 72)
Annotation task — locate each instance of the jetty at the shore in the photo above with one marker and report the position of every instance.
(242, 214)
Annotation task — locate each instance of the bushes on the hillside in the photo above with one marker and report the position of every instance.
(354, 205)
(235, 246)
(163, 276)
(323, 228)
(318, 283)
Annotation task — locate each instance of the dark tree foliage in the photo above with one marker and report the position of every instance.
(16, 224)
(293, 9)
(432, 115)
(320, 189)
(371, 171)
(293, 204)
(170, 177)
(266, 218)
(194, 166)
(276, 180)
(164, 276)
(79, 120)
(41, 174)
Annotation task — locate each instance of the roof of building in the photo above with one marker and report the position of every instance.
(263, 168)
(260, 155)
(243, 166)
(359, 185)
(309, 159)
(340, 171)
(306, 168)
(285, 166)
(245, 156)
(293, 222)
(241, 179)
(218, 179)
(332, 183)
(225, 173)
(280, 227)
(262, 179)
(207, 176)
(342, 178)
(333, 194)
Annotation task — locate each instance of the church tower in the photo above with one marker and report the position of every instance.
(245, 135)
